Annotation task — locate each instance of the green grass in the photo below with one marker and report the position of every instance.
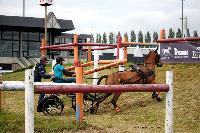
(139, 112)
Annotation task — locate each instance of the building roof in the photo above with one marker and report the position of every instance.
(31, 23)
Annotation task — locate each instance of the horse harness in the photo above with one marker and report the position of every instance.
(140, 73)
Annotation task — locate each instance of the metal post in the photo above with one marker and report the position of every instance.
(182, 19)
(169, 103)
(79, 80)
(45, 26)
(185, 26)
(29, 101)
(89, 55)
(79, 96)
(76, 59)
(23, 8)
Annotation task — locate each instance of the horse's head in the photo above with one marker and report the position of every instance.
(157, 58)
(153, 58)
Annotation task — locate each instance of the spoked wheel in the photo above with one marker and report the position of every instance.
(87, 105)
(74, 103)
(87, 101)
(52, 106)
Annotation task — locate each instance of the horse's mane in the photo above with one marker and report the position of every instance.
(147, 56)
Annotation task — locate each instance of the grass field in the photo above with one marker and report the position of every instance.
(140, 113)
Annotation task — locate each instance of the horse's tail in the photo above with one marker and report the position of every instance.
(102, 77)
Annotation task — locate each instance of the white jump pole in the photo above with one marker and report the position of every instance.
(53, 64)
(169, 103)
(29, 101)
(12, 85)
(96, 59)
(121, 58)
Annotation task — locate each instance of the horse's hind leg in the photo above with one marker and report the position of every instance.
(114, 101)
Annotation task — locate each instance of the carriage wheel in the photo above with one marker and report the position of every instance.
(87, 101)
(74, 103)
(53, 106)
(87, 105)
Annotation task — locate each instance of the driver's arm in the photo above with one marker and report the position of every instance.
(43, 73)
(68, 73)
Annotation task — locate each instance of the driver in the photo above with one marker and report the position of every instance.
(59, 71)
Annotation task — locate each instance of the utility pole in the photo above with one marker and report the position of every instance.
(182, 19)
(45, 3)
(23, 8)
(186, 23)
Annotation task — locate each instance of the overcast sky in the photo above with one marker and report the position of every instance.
(98, 16)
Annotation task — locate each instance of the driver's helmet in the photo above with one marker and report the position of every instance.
(59, 59)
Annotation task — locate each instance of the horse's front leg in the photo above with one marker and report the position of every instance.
(155, 95)
(114, 101)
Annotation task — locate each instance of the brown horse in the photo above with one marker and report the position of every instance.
(139, 74)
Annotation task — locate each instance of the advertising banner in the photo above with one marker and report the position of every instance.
(188, 52)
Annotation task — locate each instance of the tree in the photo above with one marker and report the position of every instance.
(188, 33)
(178, 33)
(98, 39)
(111, 38)
(171, 33)
(133, 36)
(140, 37)
(91, 38)
(119, 34)
(126, 36)
(147, 37)
(104, 38)
(195, 34)
(155, 37)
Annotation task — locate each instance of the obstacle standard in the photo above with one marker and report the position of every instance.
(63, 88)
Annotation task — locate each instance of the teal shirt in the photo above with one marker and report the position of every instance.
(58, 71)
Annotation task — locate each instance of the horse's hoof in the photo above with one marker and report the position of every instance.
(158, 99)
(154, 95)
(93, 110)
(117, 109)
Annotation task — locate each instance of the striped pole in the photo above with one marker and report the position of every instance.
(79, 80)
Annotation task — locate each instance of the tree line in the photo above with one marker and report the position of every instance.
(140, 37)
